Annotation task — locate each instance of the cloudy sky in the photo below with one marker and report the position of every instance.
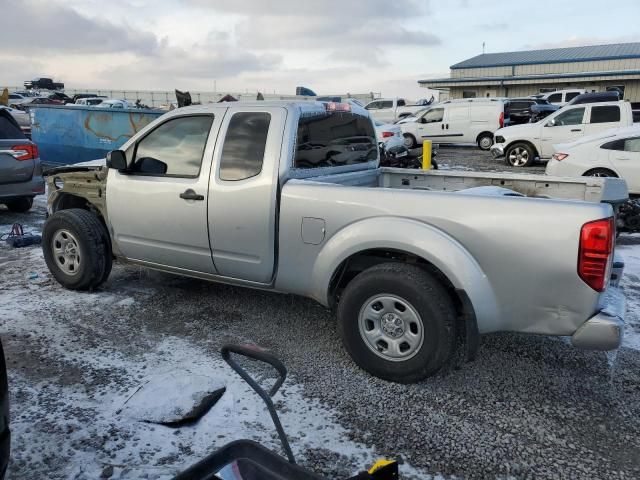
(331, 46)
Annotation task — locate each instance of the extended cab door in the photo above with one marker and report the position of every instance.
(562, 127)
(602, 117)
(158, 209)
(243, 193)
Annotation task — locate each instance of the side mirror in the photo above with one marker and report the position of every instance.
(117, 160)
(150, 166)
(551, 123)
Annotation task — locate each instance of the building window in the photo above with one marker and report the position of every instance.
(469, 94)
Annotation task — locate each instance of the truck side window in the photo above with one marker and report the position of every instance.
(244, 145)
(556, 97)
(178, 144)
(401, 102)
(386, 104)
(570, 117)
(605, 114)
(570, 96)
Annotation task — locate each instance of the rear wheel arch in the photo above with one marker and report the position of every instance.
(592, 172)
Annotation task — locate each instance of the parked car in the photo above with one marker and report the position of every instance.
(413, 269)
(614, 153)
(61, 97)
(5, 431)
(43, 83)
(90, 101)
(391, 109)
(389, 134)
(520, 145)
(78, 96)
(15, 99)
(596, 97)
(33, 101)
(20, 170)
(20, 116)
(521, 110)
(457, 121)
(560, 97)
(106, 103)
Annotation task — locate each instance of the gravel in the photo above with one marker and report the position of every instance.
(527, 407)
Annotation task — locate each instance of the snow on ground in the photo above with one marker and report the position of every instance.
(631, 284)
(63, 418)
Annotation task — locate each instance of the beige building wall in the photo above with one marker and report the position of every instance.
(540, 69)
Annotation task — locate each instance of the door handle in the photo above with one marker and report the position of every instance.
(622, 158)
(447, 127)
(576, 129)
(442, 126)
(191, 195)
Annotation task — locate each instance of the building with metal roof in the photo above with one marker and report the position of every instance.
(517, 74)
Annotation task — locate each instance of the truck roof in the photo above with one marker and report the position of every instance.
(302, 106)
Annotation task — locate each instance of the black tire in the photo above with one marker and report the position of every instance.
(425, 295)
(485, 141)
(515, 155)
(410, 141)
(20, 205)
(600, 172)
(92, 243)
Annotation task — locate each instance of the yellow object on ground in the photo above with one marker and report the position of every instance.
(4, 98)
(426, 155)
(383, 463)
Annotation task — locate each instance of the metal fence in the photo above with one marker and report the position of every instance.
(160, 98)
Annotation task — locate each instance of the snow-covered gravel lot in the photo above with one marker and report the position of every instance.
(527, 407)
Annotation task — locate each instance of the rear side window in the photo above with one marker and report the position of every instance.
(401, 103)
(335, 139)
(178, 143)
(244, 145)
(605, 114)
(386, 104)
(556, 97)
(8, 128)
(571, 95)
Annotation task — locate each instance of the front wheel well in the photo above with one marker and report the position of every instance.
(67, 201)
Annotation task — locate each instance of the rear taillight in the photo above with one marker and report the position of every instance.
(387, 134)
(594, 257)
(560, 156)
(25, 152)
(501, 119)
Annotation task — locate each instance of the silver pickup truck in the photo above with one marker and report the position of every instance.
(289, 197)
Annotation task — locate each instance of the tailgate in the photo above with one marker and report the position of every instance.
(13, 170)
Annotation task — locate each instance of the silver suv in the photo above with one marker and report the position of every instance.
(20, 170)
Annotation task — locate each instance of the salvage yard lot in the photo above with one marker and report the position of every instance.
(528, 406)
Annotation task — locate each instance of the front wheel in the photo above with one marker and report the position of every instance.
(519, 155)
(409, 140)
(76, 249)
(485, 141)
(397, 322)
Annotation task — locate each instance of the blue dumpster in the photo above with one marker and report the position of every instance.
(66, 134)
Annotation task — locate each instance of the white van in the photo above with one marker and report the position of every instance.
(456, 121)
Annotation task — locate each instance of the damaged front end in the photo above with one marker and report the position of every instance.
(77, 186)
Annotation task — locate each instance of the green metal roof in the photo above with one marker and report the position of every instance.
(614, 51)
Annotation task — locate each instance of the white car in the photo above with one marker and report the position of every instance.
(614, 153)
(16, 99)
(91, 101)
(114, 104)
(22, 117)
(520, 145)
(391, 109)
(560, 97)
(389, 134)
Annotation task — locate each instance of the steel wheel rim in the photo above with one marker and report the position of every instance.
(390, 327)
(518, 156)
(408, 142)
(66, 252)
(486, 142)
(600, 174)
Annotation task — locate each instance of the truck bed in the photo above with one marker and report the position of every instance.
(590, 189)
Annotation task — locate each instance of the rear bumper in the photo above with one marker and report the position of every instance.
(33, 187)
(497, 150)
(603, 331)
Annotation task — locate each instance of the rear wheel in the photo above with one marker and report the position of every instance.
(20, 205)
(397, 322)
(76, 249)
(600, 172)
(409, 140)
(485, 141)
(519, 155)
